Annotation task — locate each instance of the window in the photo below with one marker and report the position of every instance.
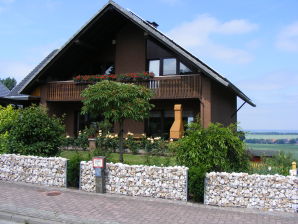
(169, 66)
(154, 66)
(184, 69)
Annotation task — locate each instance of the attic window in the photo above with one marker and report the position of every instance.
(154, 66)
(169, 66)
(184, 69)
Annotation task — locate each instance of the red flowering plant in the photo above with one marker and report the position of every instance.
(128, 77)
(93, 78)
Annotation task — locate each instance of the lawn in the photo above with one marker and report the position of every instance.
(287, 148)
(128, 158)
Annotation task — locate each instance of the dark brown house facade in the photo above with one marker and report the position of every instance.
(117, 41)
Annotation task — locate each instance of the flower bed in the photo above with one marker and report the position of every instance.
(128, 77)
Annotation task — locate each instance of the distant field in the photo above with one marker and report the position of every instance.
(287, 148)
(266, 136)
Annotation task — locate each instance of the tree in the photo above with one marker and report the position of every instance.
(9, 82)
(116, 102)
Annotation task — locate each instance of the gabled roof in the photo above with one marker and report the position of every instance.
(3, 90)
(150, 29)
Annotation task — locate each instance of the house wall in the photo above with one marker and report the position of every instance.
(130, 50)
(136, 127)
(67, 110)
(205, 109)
(224, 104)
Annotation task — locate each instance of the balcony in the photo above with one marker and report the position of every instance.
(168, 87)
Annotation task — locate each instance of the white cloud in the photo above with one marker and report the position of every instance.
(196, 36)
(287, 39)
(238, 26)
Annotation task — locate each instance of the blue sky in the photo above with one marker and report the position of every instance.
(252, 43)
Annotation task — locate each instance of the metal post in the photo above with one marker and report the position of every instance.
(99, 165)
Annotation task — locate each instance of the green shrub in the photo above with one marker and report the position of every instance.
(132, 144)
(8, 118)
(215, 148)
(82, 140)
(36, 133)
(108, 142)
(73, 170)
(196, 183)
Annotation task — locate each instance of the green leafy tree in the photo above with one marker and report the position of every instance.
(216, 148)
(116, 102)
(36, 133)
(9, 82)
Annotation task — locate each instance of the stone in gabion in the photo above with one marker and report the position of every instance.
(136, 180)
(32, 169)
(269, 192)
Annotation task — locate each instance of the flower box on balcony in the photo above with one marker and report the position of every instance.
(128, 77)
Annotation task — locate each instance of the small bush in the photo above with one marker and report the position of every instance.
(8, 118)
(36, 133)
(108, 142)
(132, 144)
(196, 183)
(73, 170)
(82, 140)
(215, 148)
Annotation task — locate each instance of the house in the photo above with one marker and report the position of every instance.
(3, 92)
(117, 40)
(260, 155)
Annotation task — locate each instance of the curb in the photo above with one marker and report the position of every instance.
(38, 219)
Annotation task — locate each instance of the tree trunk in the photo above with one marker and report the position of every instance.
(121, 141)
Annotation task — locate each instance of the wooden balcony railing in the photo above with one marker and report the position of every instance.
(171, 87)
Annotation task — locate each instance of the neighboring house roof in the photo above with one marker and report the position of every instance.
(3, 90)
(264, 153)
(152, 31)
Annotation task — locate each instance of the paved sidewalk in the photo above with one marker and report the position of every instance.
(20, 202)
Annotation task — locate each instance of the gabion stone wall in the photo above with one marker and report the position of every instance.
(33, 169)
(137, 180)
(268, 192)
